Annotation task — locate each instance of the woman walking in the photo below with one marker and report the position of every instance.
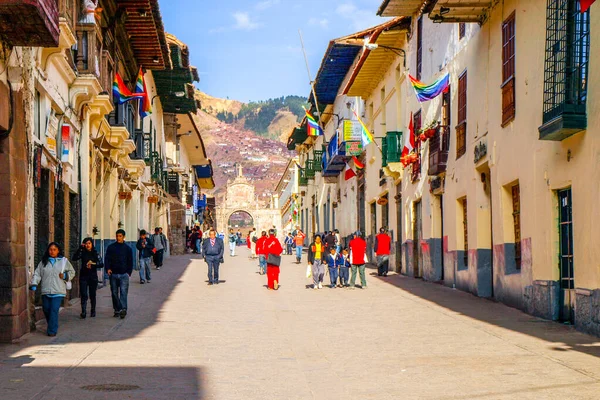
(53, 273)
(88, 275)
(272, 247)
(316, 258)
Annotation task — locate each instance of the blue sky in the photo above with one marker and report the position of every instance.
(250, 49)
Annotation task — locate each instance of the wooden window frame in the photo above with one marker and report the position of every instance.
(516, 203)
(416, 167)
(462, 30)
(508, 69)
(419, 47)
(461, 128)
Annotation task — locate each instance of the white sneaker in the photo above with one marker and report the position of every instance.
(320, 286)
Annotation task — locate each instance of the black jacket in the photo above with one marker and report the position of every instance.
(215, 251)
(311, 253)
(119, 259)
(145, 252)
(85, 256)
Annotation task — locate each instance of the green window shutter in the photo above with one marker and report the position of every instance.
(384, 150)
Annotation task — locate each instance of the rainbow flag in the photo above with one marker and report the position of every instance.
(357, 163)
(312, 126)
(366, 137)
(140, 88)
(427, 92)
(121, 93)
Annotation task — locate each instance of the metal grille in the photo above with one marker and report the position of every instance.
(567, 55)
(419, 46)
(508, 69)
(516, 200)
(462, 30)
(416, 167)
(465, 231)
(567, 279)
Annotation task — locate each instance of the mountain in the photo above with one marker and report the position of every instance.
(272, 118)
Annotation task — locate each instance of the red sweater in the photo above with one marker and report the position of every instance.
(259, 245)
(271, 245)
(383, 244)
(359, 249)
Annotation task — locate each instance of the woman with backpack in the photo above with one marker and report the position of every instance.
(88, 275)
(54, 273)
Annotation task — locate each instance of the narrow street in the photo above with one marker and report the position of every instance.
(401, 338)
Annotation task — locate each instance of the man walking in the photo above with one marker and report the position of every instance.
(118, 262)
(383, 245)
(232, 242)
(146, 251)
(330, 241)
(272, 246)
(299, 244)
(358, 247)
(213, 249)
(253, 240)
(262, 257)
(160, 243)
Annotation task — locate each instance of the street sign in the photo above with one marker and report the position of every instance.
(352, 131)
(354, 148)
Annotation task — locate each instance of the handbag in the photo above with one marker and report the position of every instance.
(308, 271)
(274, 260)
(69, 285)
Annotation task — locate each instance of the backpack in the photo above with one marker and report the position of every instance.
(254, 239)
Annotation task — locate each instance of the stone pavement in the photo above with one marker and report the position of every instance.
(400, 339)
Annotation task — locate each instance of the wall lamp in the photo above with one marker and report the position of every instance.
(176, 94)
(395, 50)
(334, 114)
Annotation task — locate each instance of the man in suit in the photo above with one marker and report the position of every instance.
(213, 249)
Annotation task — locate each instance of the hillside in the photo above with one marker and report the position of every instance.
(273, 118)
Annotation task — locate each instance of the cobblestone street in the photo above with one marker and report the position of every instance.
(401, 338)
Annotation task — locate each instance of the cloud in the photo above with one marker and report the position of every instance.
(359, 18)
(263, 5)
(243, 21)
(323, 23)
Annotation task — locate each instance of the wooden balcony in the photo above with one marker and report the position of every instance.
(439, 145)
(123, 116)
(30, 22)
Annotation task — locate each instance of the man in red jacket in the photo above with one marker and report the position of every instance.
(383, 245)
(271, 245)
(358, 248)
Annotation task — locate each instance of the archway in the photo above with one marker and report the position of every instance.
(240, 219)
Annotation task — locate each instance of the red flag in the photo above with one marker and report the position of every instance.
(357, 163)
(584, 5)
(349, 172)
(409, 142)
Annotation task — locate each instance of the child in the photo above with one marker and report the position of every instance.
(334, 260)
(345, 268)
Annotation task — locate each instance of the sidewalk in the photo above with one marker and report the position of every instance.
(401, 338)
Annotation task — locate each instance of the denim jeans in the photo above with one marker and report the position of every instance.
(318, 272)
(344, 275)
(262, 263)
(213, 269)
(289, 249)
(119, 287)
(333, 275)
(145, 269)
(298, 252)
(361, 271)
(50, 306)
(232, 249)
(198, 246)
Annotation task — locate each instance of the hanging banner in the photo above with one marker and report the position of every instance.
(66, 142)
(352, 131)
(51, 131)
(354, 148)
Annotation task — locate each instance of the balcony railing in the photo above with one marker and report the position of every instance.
(391, 148)
(123, 115)
(309, 169)
(302, 179)
(335, 158)
(89, 50)
(439, 145)
(318, 160)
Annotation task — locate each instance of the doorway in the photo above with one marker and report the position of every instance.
(417, 236)
(567, 277)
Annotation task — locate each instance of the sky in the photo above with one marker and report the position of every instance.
(250, 50)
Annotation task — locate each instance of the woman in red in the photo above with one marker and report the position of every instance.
(271, 245)
(248, 241)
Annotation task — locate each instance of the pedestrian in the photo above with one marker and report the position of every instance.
(213, 249)
(289, 242)
(334, 260)
(345, 269)
(299, 244)
(383, 245)
(118, 262)
(262, 258)
(330, 241)
(160, 244)
(91, 262)
(194, 241)
(54, 273)
(232, 242)
(249, 242)
(199, 240)
(272, 250)
(358, 248)
(338, 241)
(254, 239)
(316, 259)
(146, 250)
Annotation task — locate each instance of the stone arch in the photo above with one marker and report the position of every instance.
(240, 210)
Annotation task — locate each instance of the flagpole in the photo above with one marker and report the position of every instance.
(312, 84)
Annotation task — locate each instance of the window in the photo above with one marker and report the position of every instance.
(416, 167)
(446, 110)
(38, 116)
(385, 213)
(461, 129)
(462, 30)
(565, 69)
(373, 218)
(465, 231)
(508, 69)
(516, 203)
(419, 46)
